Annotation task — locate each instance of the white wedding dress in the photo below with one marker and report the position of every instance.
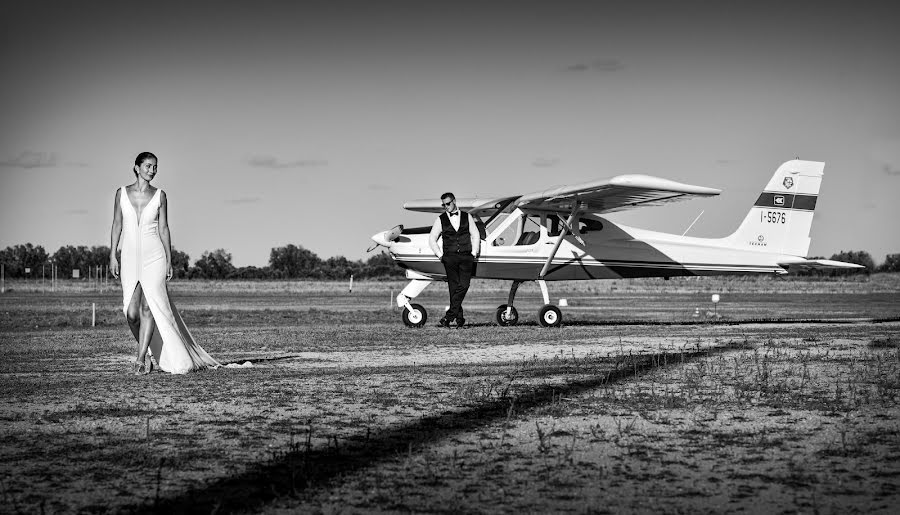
(144, 262)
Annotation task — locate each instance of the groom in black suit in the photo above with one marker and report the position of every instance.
(461, 244)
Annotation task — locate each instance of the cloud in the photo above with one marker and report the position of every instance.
(601, 65)
(29, 159)
(545, 162)
(888, 170)
(244, 200)
(273, 163)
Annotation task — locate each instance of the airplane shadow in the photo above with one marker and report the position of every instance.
(703, 322)
(301, 469)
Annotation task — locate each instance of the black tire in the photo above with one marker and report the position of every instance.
(501, 318)
(416, 318)
(550, 316)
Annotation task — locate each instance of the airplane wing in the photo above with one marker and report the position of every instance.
(470, 205)
(615, 194)
(817, 264)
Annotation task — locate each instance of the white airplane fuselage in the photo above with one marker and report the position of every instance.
(616, 251)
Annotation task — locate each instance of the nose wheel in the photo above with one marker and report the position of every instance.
(506, 315)
(550, 316)
(415, 317)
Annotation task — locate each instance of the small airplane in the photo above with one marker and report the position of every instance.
(559, 235)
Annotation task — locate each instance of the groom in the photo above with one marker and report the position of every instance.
(461, 245)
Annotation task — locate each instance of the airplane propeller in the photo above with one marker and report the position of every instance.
(385, 238)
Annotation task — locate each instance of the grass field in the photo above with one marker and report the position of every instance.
(790, 402)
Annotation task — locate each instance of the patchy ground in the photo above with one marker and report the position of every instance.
(370, 416)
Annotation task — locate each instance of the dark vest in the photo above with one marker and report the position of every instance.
(456, 241)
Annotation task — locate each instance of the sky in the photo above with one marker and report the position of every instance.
(311, 123)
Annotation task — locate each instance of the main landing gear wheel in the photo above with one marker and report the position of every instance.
(550, 316)
(415, 317)
(504, 319)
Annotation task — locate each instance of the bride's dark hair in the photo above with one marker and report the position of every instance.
(143, 156)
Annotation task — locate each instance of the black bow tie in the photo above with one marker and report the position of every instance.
(454, 214)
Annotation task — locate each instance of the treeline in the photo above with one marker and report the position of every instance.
(288, 262)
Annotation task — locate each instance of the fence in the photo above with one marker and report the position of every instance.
(98, 278)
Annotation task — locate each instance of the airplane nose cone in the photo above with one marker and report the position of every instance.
(380, 238)
(386, 238)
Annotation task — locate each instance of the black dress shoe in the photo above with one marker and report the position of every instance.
(443, 322)
(460, 322)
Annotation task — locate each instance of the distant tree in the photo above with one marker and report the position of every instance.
(860, 257)
(180, 264)
(98, 256)
(339, 267)
(293, 261)
(251, 272)
(381, 266)
(70, 258)
(891, 263)
(19, 257)
(213, 265)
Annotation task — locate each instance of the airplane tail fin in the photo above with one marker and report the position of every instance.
(782, 216)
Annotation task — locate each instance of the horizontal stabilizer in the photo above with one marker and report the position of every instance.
(818, 264)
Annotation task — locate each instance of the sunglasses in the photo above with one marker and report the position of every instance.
(445, 204)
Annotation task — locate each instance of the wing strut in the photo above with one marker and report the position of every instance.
(566, 228)
(571, 230)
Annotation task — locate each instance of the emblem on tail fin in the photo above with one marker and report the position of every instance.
(782, 215)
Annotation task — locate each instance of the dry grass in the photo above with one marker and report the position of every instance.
(346, 410)
(862, 283)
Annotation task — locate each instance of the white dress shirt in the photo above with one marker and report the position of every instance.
(438, 228)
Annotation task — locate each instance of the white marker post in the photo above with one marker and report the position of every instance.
(351, 283)
(93, 314)
(715, 301)
(2, 278)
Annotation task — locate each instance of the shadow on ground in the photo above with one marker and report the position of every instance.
(301, 469)
(701, 322)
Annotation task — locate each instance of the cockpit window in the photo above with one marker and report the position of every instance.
(523, 230)
(554, 226)
(589, 225)
(531, 231)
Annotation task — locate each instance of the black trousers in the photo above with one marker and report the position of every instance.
(459, 268)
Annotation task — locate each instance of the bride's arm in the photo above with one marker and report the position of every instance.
(114, 236)
(164, 232)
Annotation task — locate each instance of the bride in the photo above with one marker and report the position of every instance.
(140, 220)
